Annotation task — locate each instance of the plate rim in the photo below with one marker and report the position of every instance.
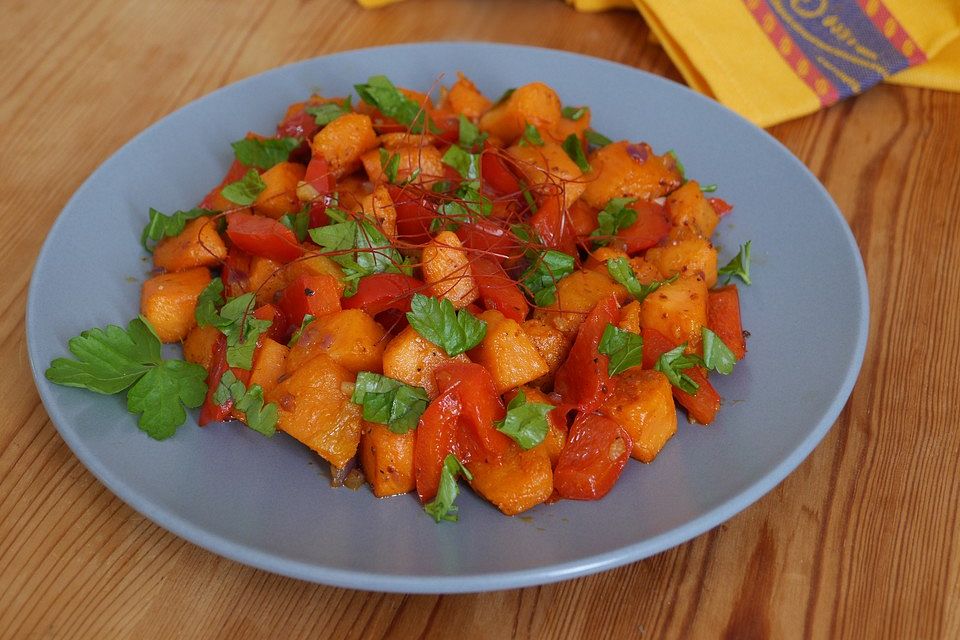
(473, 582)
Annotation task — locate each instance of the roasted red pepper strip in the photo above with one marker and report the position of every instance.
(594, 455)
(492, 240)
(474, 387)
(496, 173)
(211, 411)
(552, 225)
(723, 318)
(435, 438)
(382, 291)
(650, 227)
(235, 273)
(315, 295)
(498, 290)
(415, 212)
(702, 406)
(260, 236)
(721, 206)
(279, 327)
(582, 380)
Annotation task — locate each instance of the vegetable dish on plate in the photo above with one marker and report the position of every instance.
(419, 292)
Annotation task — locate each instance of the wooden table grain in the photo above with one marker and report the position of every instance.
(861, 541)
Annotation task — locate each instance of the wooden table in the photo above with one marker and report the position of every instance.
(862, 540)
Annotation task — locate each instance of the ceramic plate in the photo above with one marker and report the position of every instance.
(267, 503)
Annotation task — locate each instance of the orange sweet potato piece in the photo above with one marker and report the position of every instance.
(642, 403)
(379, 206)
(411, 358)
(387, 460)
(565, 126)
(519, 481)
(464, 98)
(549, 164)
(577, 294)
(688, 207)
(686, 257)
(553, 443)
(280, 195)
(343, 141)
(508, 353)
(266, 277)
(426, 158)
(446, 269)
(618, 174)
(268, 364)
(351, 338)
(550, 343)
(169, 301)
(533, 103)
(198, 245)
(198, 345)
(314, 407)
(677, 310)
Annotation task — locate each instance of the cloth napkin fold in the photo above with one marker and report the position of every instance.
(774, 60)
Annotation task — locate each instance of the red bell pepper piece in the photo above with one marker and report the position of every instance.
(279, 327)
(582, 380)
(382, 291)
(721, 206)
(486, 237)
(260, 236)
(498, 290)
(298, 124)
(594, 455)
(495, 172)
(553, 226)
(435, 438)
(723, 318)
(319, 177)
(414, 214)
(317, 295)
(211, 411)
(650, 227)
(702, 406)
(235, 273)
(481, 407)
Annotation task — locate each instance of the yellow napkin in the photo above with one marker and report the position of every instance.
(773, 60)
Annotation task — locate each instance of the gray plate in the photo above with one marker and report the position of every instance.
(266, 503)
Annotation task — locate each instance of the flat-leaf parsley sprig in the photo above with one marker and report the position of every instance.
(112, 360)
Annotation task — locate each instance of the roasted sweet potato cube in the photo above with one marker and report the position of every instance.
(266, 277)
(630, 317)
(678, 310)
(642, 403)
(552, 444)
(280, 195)
(549, 164)
(621, 170)
(314, 407)
(411, 358)
(519, 481)
(446, 269)
(387, 459)
(169, 301)
(688, 207)
(551, 344)
(379, 207)
(343, 141)
(426, 158)
(686, 257)
(577, 294)
(566, 126)
(198, 345)
(464, 98)
(312, 264)
(268, 364)
(198, 245)
(351, 338)
(508, 353)
(533, 103)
